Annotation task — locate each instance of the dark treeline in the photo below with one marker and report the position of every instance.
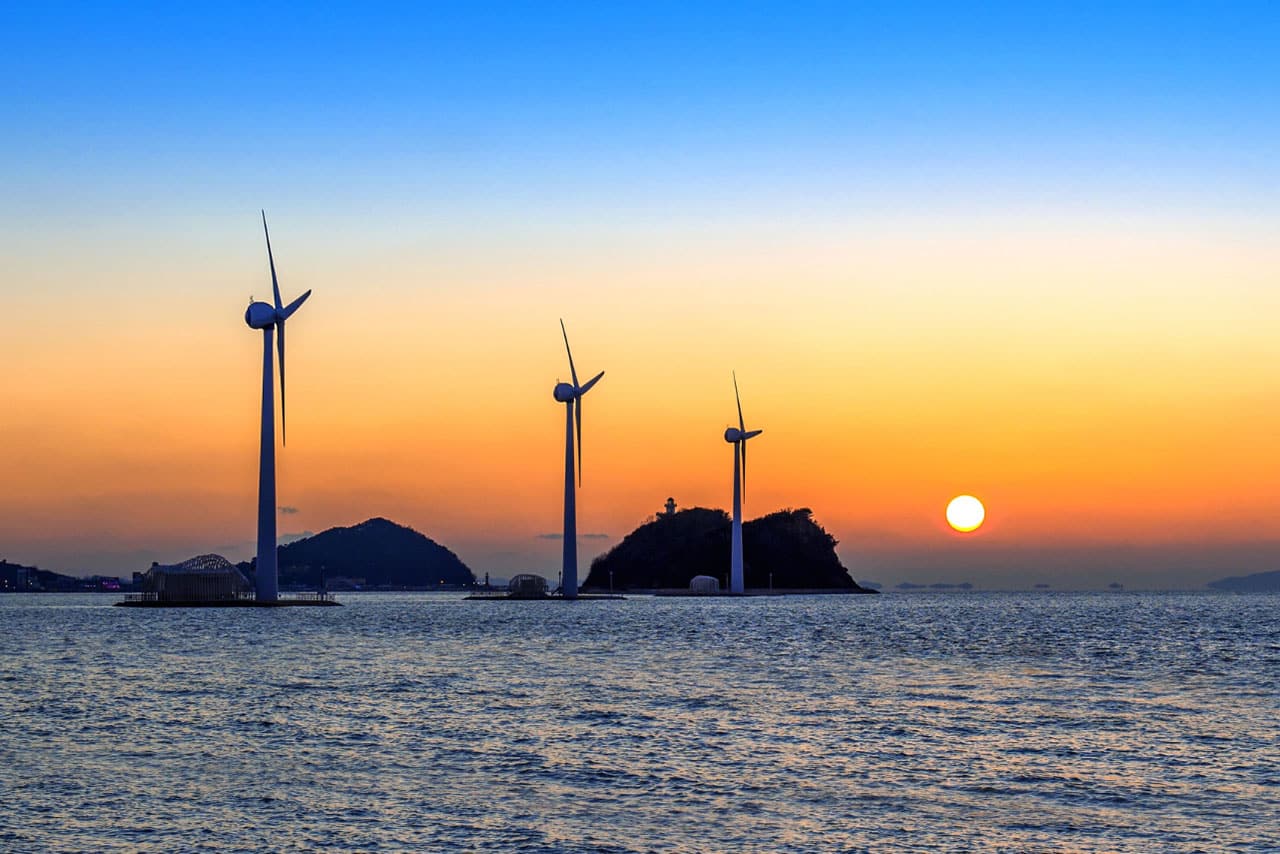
(376, 553)
(669, 551)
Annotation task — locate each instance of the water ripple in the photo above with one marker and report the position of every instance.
(1048, 722)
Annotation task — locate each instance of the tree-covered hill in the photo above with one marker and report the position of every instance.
(671, 550)
(381, 552)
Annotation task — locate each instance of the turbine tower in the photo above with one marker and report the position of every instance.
(738, 436)
(269, 318)
(571, 396)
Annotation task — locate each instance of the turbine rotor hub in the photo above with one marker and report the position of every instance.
(564, 392)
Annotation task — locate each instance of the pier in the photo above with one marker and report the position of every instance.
(298, 600)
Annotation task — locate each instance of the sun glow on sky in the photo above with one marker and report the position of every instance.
(833, 204)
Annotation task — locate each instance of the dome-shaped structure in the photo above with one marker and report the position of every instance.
(704, 585)
(202, 563)
(527, 586)
(203, 578)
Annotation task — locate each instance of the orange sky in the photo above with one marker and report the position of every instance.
(1095, 384)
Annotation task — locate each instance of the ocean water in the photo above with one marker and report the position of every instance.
(421, 722)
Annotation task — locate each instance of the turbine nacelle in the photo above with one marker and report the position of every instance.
(564, 392)
(260, 315)
(733, 435)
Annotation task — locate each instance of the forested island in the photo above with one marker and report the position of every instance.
(375, 554)
(786, 550)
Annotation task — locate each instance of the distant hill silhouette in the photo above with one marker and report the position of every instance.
(671, 550)
(16, 577)
(378, 550)
(1258, 582)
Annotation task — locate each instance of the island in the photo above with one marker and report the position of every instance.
(376, 554)
(1258, 582)
(786, 551)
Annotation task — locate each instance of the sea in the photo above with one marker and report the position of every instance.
(974, 721)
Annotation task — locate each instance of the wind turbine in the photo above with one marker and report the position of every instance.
(571, 396)
(738, 436)
(269, 318)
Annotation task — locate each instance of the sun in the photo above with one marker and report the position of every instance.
(965, 513)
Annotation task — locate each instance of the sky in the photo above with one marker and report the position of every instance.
(1022, 251)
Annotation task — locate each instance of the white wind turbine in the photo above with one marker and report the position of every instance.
(571, 396)
(738, 436)
(269, 318)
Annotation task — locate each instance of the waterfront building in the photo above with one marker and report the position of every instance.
(204, 578)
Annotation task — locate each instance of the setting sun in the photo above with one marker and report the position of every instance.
(965, 513)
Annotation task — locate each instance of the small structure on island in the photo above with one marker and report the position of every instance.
(204, 578)
(670, 509)
(206, 581)
(704, 585)
(527, 586)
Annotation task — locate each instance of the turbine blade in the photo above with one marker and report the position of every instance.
(751, 435)
(570, 352)
(280, 351)
(577, 414)
(742, 444)
(275, 285)
(289, 309)
(742, 425)
(586, 388)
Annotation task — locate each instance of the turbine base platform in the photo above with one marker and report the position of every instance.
(752, 592)
(146, 600)
(499, 596)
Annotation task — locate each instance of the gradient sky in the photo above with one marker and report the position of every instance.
(1025, 251)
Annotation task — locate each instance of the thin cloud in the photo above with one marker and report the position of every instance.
(580, 536)
(286, 510)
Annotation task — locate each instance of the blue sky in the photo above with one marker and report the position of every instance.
(506, 107)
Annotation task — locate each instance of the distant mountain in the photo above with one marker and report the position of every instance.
(379, 551)
(671, 550)
(1259, 582)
